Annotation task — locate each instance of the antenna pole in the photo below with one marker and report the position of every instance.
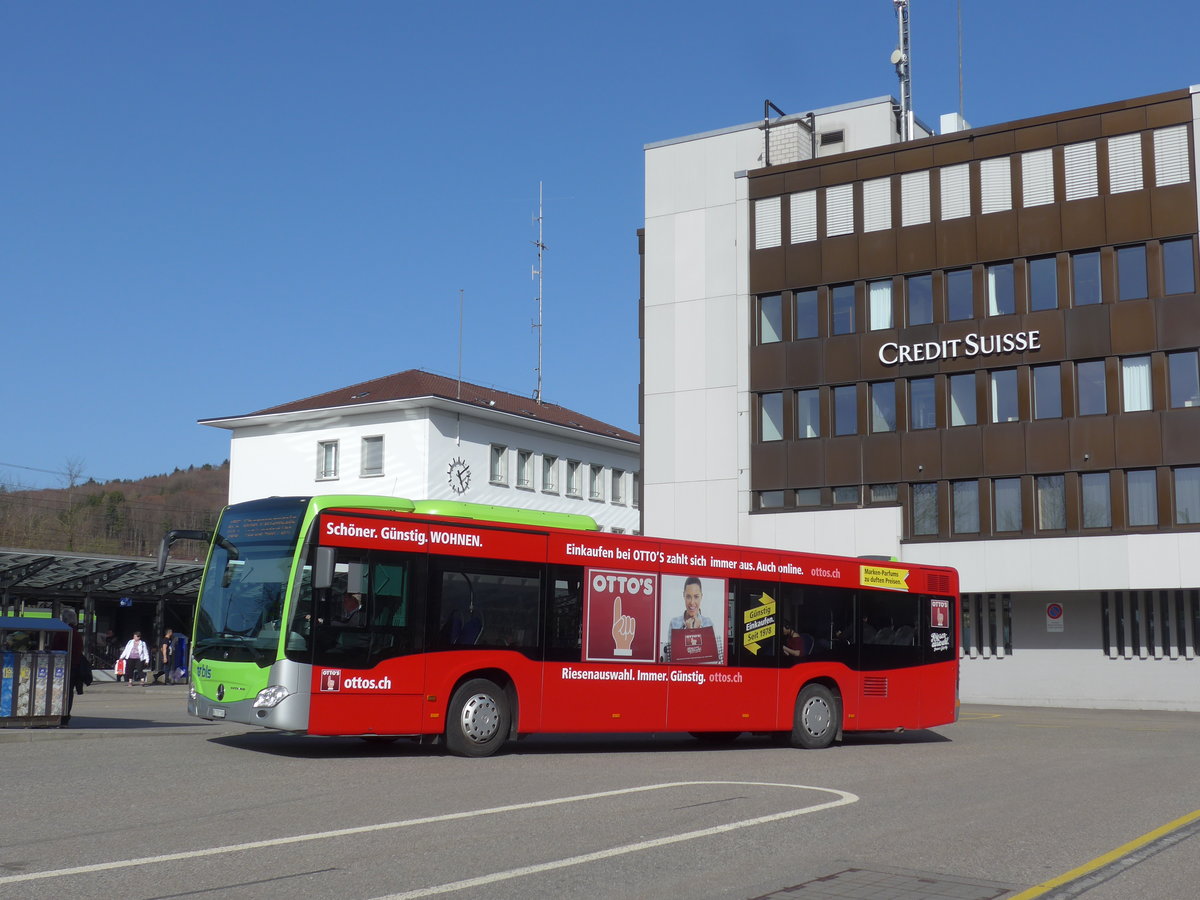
(537, 274)
(961, 107)
(460, 331)
(903, 61)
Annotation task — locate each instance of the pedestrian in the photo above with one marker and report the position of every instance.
(162, 661)
(81, 672)
(136, 655)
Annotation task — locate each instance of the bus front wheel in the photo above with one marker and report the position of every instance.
(817, 717)
(478, 719)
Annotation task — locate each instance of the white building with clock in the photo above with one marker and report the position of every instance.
(425, 436)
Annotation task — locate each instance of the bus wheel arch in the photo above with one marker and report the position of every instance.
(817, 722)
(481, 715)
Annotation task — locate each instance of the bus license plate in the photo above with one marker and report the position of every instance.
(218, 713)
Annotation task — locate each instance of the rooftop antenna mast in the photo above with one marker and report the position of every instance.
(901, 59)
(537, 274)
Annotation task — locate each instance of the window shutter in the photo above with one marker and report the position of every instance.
(914, 198)
(995, 185)
(1079, 168)
(767, 223)
(1171, 156)
(877, 204)
(956, 191)
(839, 210)
(804, 217)
(1037, 177)
(1124, 163)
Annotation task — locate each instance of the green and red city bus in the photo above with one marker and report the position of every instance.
(383, 618)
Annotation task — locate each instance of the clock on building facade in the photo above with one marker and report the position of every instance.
(459, 475)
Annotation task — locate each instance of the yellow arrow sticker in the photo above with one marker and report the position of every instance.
(759, 624)
(881, 577)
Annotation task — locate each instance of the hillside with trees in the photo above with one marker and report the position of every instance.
(120, 517)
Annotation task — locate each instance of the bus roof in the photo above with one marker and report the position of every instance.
(459, 509)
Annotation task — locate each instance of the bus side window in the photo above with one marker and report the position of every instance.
(821, 620)
(889, 625)
(755, 636)
(564, 618)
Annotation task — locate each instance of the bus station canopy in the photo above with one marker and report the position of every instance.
(34, 575)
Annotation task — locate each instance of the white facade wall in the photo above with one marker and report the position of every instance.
(280, 458)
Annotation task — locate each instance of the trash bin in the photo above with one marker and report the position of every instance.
(34, 680)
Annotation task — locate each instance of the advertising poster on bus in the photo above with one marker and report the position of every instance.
(693, 620)
(620, 616)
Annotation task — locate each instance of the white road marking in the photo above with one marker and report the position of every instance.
(844, 798)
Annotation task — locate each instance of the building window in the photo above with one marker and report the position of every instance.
(807, 315)
(767, 223)
(842, 300)
(498, 464)
(549, 473)
(962, 399)
(771, 427)
(1051, 503)
(877, 204)
(1097, 502)
(524, 469)
(1047, 392)
(327, 460)
(1001, 299)
(919, 296)
(1184, 376)
(1037, 177)
(1006, 493)
(924, 509)
(1079, 169)
(808, 497)
(881, 304)
(808, 413)
(995, 185)
(845, 409)
(1004, 396)
(839, 210)
(914, 198)
(804, 216)
(1135, 383)
(846, 494)
(956, 191)
(371, 462)
(960, 295)
(618, 486)
(635, 494)
(965, 499)
(1043, 283)
(883, 407)
(770, 319)
(770, 499)
(1085, 278)
(1179, 272)
(1131, 272)
(1171, 164)
(1141, 488)
(595, 482)
(922, 400)
(885, 493)
(1124, 163)
(1093, 394)
(1187, 496)
(574, 484)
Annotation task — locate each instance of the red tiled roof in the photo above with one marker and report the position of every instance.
(417, 383)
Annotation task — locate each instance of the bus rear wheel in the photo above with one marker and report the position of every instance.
(478, 720)
(817, 718)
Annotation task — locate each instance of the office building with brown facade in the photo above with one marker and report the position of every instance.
(977, 348)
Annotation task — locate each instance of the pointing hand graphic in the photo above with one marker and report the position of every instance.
(622, 630)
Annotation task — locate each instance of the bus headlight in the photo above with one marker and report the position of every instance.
(270, 696)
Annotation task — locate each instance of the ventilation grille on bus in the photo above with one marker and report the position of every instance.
(937, 584)
(875, 686)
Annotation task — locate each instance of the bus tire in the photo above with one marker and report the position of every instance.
(478, 720)
(818, 716)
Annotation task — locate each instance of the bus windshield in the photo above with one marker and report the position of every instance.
(241, 600)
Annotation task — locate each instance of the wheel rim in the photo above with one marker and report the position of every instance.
(816, 716)
(480, 718)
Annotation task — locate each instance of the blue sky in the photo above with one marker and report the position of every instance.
(211, 208)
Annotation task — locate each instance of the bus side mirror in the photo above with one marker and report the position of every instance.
(323, 570)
